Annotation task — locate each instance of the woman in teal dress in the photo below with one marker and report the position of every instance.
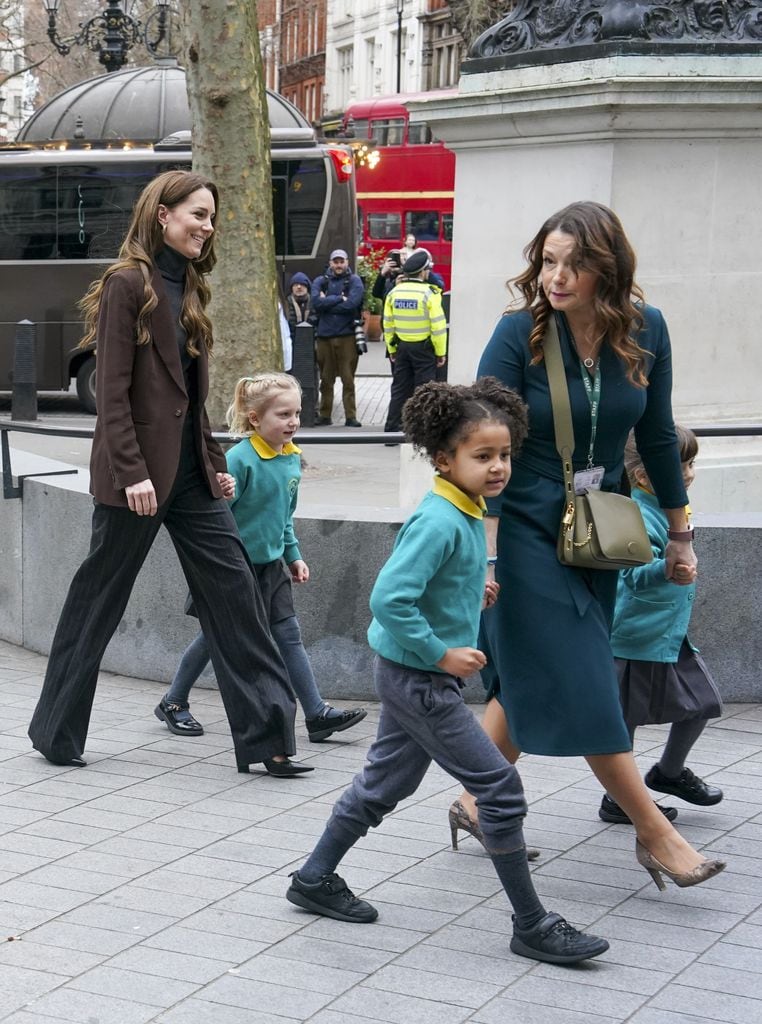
(548, 634)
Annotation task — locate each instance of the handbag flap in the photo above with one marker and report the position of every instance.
(619, 526)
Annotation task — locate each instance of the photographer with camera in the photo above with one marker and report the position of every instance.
(415, 332)
(337, 298)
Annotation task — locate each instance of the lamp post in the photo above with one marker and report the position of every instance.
(112, 33)
(400, 9)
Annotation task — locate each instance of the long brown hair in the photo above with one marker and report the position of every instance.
(601, 247)
(141, 243)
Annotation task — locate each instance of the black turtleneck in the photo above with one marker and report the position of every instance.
(172, 265)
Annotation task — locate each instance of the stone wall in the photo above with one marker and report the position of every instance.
(46, 536)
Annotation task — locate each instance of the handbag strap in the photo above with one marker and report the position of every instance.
(559, 400)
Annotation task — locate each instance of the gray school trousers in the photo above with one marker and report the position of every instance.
(424, 719)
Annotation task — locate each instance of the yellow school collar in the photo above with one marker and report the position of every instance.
(264, 451)
(459, 498)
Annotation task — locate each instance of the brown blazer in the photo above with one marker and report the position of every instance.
(141, 398)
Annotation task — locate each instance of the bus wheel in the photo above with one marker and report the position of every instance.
(86, 384)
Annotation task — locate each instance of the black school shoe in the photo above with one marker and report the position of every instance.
(325, 724)
(611, 812)
(168, 711)
(330, 897)
(554, 941)
(687, 786)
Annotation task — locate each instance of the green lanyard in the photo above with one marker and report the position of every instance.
(593, 392)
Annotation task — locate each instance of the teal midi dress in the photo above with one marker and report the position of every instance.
(547, 637)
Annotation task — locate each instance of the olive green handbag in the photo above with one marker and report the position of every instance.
(599, 529)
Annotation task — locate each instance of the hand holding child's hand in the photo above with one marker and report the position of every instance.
(462, 661)
(227, 485)
(491, 591)
(299, 570)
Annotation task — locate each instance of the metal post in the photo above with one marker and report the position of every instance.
(400, 6)
(303, 368)
(24, 393)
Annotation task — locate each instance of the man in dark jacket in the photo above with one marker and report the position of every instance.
(337, 298)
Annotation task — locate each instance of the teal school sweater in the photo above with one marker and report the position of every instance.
(266, 488)
(652, 614)
(428, 597)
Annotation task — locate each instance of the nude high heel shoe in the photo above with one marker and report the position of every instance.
(458, 818)
(695, 876)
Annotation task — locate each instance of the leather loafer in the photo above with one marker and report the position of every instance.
(611, 812)
(323, 421)
(287, 769)
(686, 786)
(352, 422)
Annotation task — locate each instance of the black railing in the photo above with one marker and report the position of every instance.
(305, 437)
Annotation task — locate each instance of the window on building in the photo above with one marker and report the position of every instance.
(384, 227)
(346, 56)
(370, 65)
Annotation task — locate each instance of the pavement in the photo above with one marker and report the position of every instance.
(150, 885)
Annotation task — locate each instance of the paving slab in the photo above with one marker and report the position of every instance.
(149, 887)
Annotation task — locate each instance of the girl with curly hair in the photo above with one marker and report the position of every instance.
(426, 605)
(154, 462)
(552, 671)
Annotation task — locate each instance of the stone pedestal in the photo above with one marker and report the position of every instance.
(674, 145)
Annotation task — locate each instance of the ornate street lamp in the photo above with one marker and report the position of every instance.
(112, 33)
(400, 10)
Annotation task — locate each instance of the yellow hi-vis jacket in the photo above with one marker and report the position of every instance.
(413, 312)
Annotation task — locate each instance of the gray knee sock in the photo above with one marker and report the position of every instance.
(513, 871)
(682, 736)
(327, 855)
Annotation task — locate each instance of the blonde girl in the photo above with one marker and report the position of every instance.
(266, 468)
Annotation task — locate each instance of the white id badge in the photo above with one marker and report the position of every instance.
(588, 479)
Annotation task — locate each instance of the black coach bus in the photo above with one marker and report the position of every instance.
(64, 211)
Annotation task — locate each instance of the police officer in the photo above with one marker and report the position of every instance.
(415, 333)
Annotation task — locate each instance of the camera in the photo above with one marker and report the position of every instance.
(395, 258)
(360, 343)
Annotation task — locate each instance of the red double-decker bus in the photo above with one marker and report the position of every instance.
(411, 188)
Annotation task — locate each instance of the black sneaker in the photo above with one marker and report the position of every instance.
(687, 786)
(330, 897)
(178, 718)
(323, 726)
(554, 941)
(611, 812)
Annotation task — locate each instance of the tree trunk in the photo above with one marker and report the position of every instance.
(231, 145)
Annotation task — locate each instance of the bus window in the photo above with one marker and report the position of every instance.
(95, 206)
(424, 225)
(357, 128)
(28, 214)
(384, 226)
(418, 134)
(388, 132)
(447, 227)
(299, 193)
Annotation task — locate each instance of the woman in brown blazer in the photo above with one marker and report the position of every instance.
(154, 461)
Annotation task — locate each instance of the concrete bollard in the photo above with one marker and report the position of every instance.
(24, 393)
(303, 368)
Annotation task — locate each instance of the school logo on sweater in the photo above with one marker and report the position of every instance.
(293, 485)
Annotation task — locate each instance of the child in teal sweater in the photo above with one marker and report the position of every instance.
(266, 468)
(426, 605)
(662, 677)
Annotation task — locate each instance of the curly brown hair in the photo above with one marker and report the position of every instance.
(601, 247)
(439, 416)
(141, 243)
